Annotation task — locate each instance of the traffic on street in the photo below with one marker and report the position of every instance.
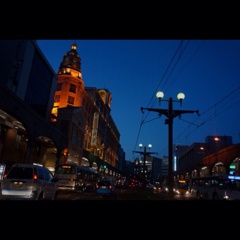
(119, 194)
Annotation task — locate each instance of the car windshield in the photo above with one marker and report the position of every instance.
(21, 173)
(104, 183)
(66, 170)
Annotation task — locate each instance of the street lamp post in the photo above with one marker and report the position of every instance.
(144, 153)
(170, 114)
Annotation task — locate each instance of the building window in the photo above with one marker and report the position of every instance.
(72, 88)
(59, 86)
(57, 98)
(70, 100)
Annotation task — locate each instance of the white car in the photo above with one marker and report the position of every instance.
(29, 181)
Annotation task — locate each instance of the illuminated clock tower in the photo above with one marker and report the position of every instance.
(67, 106)
(70, 85)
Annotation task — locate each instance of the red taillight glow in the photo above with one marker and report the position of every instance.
(5, 175)
(35, 177)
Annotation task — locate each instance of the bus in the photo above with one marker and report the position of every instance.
(181, 187)
(216, 187)
(76, 178)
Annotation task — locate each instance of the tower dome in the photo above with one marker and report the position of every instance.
(71, 59)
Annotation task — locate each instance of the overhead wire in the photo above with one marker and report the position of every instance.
(164, 75)
(180, 55)
(167, 70)
(193, 55)
(214, 114)
(213, 107)
(154, 94)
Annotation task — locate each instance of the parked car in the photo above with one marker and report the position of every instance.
(29, 181)
(105, 187)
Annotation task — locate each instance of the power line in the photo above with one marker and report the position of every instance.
(213, 115)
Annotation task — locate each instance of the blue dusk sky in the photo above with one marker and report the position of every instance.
(206, 71)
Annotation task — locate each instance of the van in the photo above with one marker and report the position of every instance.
(29, 181)
(76, 178)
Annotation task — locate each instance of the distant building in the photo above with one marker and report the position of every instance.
(164, 169)
(156, 170)
(178, 150)
(153, 168)
(216, 143)
(217, 152)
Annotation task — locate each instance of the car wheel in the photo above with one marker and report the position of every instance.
(199, 197)
(215, 196)
(40, 198)
(55, 196)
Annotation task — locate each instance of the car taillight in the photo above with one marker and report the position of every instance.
(5, 175)
(35, 177)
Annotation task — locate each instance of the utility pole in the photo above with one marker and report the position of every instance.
(144, 153)
(170, 114)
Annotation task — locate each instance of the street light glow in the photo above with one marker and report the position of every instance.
(180, 96)
(159, 94)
